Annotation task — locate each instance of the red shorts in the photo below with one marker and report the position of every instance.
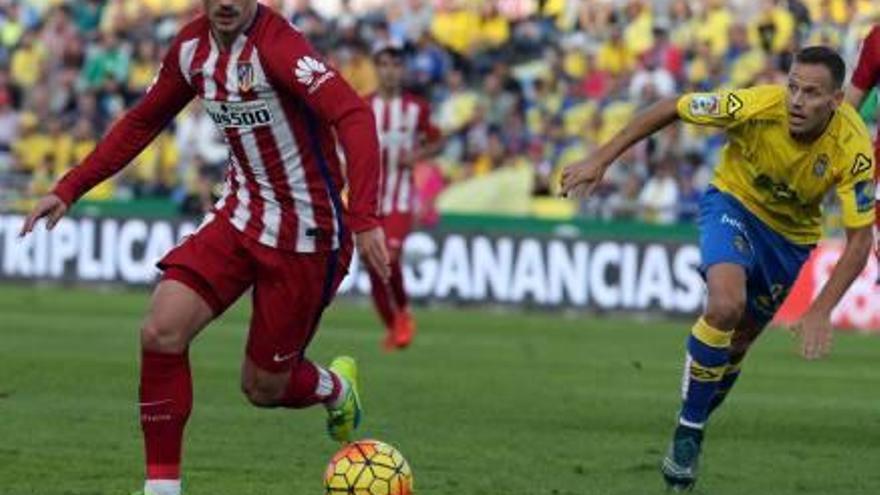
(396, 226)
(290, 290)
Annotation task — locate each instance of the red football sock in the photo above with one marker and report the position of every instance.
(309, 385)
(401, 301)
(382, 298)
(165, 404)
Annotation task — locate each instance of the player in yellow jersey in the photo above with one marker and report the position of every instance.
(787, 147)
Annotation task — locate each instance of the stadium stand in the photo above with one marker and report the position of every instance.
(526, 86)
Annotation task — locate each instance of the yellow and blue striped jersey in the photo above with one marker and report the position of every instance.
(780, 180)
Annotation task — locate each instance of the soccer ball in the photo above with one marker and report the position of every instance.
(368, 467)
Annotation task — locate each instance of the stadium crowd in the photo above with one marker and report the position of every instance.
(529, 85)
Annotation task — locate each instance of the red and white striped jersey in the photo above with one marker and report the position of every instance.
(866, 75)
(277, 105)
(403, 123)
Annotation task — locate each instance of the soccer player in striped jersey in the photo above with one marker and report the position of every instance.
(280, 229)
(406, 135)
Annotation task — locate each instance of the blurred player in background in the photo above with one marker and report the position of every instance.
(866, 77)
(406, 136)
(759, 221)
(280, 228)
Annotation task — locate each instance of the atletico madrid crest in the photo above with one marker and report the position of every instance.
(245, 76)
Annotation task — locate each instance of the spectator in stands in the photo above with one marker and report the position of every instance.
(713, 26)
(33, 145)
(456, 111)
(688, 204)
(87, 14)
(683, 24)
(144, 66)
(615, 56)
(596, 83)
(622, 203)
(61, 147)
(58, 32)
(84, 141)
(493, 37)
(27, 62)
(308, 20)
(417, 16)
(456, 28)
(774, 29)
(106, 64)
(658, 200)
(650, 82)
(743, 59)
(356, 66)
(430, 63)
(493, 154)
(666, 54)
(12, 28)
(499, 104)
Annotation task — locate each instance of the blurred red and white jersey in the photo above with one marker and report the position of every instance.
(865, 77)
(867, 72)
(403, 123)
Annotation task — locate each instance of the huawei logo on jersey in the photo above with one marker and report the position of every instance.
(307, 69)
(311, 73)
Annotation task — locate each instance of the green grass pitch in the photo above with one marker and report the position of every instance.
(485, 403)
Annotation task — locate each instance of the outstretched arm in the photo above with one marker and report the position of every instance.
(581, 179)
(126, 139)
(815, 326)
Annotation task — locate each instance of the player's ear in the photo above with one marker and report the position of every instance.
(839, 97)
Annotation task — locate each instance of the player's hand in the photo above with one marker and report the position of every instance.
(371, 246)
(51, 207)
(815, 331)
(579, 180)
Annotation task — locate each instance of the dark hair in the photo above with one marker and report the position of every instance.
(393, 51)
(822, 55)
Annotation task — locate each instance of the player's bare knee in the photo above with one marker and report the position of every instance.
(724, 313)
(162, 337)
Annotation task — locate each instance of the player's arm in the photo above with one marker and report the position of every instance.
(579, 180)
(857, 198)
(126, 139)
(333, 102)
(815, 326)
(722, 109)
(867, 72)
